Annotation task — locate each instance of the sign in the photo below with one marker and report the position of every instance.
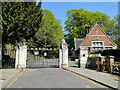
(36, 53)
(45, 54)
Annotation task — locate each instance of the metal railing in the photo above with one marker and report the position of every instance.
(8, 58)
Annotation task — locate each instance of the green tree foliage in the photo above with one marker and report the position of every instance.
(50, 32)
(116, 33)
(20, 20)
(79, 18)
(26, 20)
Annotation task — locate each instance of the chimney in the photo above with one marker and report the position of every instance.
(87, 28)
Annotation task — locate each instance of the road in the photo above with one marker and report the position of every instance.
(51, 78)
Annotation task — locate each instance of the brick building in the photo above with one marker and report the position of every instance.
(95, 39)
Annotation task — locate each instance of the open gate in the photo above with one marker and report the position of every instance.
(42, 58)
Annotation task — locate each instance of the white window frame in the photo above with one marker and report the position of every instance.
(97, 41)
(97, 48)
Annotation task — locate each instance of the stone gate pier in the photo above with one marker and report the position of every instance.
(63, 54)
(21, 56)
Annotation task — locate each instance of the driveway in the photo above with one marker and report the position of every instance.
(51, 78)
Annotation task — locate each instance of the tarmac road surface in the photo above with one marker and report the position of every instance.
(51, 78)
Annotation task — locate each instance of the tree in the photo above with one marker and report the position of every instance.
(116, 33)
(79, 18)
(50, 32)
(20, 20)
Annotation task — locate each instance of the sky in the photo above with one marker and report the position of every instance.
(59, 9)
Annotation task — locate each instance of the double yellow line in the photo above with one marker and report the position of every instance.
(8, 84)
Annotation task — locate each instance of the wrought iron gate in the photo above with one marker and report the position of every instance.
(42, 58)
(8, 58)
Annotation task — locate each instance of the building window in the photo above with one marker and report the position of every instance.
(108, 48)
(100, 44)
(101, 48)
(97, 48)
(96, 44)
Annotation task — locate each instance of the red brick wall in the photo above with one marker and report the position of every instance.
(102, 59)
(91, 48)
(103, 48)
(100, 32)
(110, 63)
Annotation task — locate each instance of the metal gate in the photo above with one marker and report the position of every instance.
(42, 58)
(8, 58)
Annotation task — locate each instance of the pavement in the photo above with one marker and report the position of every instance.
(6, 75)
(106, 79)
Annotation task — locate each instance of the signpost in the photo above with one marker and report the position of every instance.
(45, 54)
(36, 52)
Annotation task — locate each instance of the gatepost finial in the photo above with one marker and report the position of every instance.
(63, 37)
